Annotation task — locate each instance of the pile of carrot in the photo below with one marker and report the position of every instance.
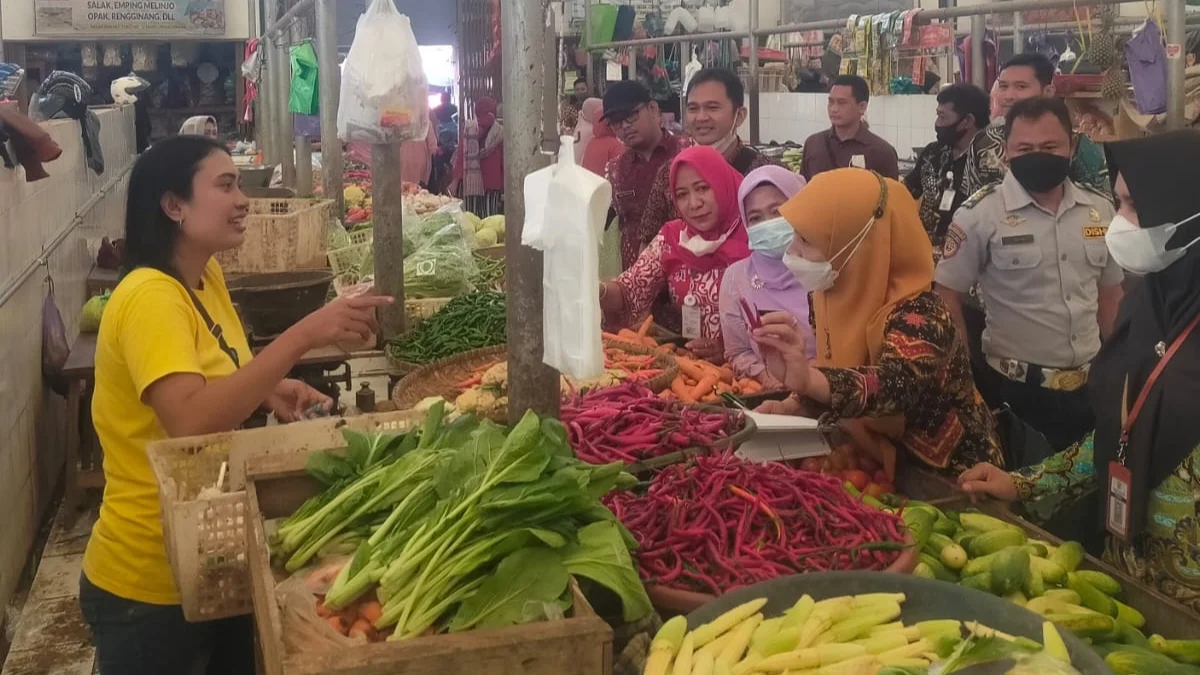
(629, 423)
(356, 620)
(702, 382)
(718, 523)
(639, 337)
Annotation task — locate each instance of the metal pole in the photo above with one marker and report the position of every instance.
(284, 125)
(276, 26)
(304, 174)
(532, 384)
(387, 193)
(1018, 33)
(329, 77)
(978, 68)
(265, 124)
(1176, 64)
(755, 120)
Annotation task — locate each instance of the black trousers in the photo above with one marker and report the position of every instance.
(1063, 417)
(136, 638)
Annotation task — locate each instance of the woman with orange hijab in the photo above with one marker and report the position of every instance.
(890, 365)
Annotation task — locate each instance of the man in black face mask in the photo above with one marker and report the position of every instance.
(939, 179)
(1035, 245)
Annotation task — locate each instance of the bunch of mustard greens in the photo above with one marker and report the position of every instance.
(464, 524)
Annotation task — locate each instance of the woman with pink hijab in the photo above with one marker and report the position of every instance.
(479, 164)
(761, 283)
(596, 144)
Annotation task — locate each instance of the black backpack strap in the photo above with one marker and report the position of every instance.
(213, 326)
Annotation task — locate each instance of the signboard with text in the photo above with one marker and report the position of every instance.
(152, 18)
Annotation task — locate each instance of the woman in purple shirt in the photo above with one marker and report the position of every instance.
(762, 280)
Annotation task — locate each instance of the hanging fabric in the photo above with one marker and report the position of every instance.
(1147, 59)
(304, 97)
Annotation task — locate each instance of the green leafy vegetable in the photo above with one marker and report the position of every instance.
(601, 556)
(531, 575)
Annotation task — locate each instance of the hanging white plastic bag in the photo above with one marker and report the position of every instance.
(566, 206)
(384, 95)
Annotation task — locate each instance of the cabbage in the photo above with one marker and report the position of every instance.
(486, 237)
(89, 316)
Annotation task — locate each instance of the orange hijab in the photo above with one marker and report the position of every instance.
(893, 263)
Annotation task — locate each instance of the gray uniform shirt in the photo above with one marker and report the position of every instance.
(1039, 273)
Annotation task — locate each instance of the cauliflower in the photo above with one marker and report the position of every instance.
(477, 401)
(496, 377)
(354, 196)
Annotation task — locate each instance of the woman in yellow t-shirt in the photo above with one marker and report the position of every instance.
(172, 360)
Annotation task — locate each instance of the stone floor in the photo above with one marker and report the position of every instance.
(51, 637)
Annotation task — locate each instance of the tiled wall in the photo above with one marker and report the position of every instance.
(32, 418)
(904, 121)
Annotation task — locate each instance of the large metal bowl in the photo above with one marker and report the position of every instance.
(927, 599)
(272, 302)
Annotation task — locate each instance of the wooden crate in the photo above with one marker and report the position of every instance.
(1164, 615)
(281, 235)
(206, 536)
(578, 645)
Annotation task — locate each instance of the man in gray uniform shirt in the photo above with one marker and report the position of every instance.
(1035, 245)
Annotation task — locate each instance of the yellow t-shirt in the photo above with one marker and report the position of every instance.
(150, 329)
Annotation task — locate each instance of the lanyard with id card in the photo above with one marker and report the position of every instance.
(948, 193)
(1120, 480)
(692, 318)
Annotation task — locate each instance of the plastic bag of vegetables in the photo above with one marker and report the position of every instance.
(419, 229)
(442, 267)
(93, 309)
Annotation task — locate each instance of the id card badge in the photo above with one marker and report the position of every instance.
(858, 161)
(947, 199)
(691, 318)
(1120, 487)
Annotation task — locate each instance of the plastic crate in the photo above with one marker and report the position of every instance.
(346, 262)
(206, 535)
(281, 235)
(363, 236)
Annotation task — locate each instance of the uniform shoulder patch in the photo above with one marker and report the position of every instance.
(955, 238)
(973, 201)
(1093, 191)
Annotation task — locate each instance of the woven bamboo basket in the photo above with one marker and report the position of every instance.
(206, 535)
(282, 235)
(441, 378)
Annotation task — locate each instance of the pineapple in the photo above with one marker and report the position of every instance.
(1104, 44)
(1113, 85)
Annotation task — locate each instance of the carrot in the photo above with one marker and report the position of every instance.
(361, 627)
(470, 382)
(323, 611)
(690, 368)
(335, 622)
(750, 386)
(680, 389)
(644, 329)
(612, 336)
(704, 386)
(650, 342)
(371, 611)
(627, 335)
(726, 374)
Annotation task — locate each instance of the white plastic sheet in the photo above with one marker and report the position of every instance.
(565, 210)
(384, 94)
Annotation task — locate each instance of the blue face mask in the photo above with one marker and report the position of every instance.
(771, 237)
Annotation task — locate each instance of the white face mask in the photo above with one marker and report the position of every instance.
(699, 245)
(1144, 250)
(728, 140)
(820, 276)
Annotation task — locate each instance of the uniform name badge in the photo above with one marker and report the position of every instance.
(858, 161)
(691, 318)
(947, 199)
(1120, 488)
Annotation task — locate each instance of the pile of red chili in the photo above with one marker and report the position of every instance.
(629, 423)
(717, 523)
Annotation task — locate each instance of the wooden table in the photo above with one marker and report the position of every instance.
(100, 281)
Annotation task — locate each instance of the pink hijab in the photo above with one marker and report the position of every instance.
(724, 181)
(604, 147)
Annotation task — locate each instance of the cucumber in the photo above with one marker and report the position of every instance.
(1064, 595)
(996, 540)
(979, 565)
(1129, 615)
(922, 570)
(984, 523)
(1183, 651)
(1127, 634)
(940, 571)
(979, 582)
(1127, 662)
(1094, 626)
(1069, 555)
(1010, 569)
(1103, 582)
(951, 554)
(919, 522)
(1034, 586)
(1051, 572)
(943, 524)
(1090, 596)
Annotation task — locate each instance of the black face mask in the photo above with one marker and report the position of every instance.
(1040, 172)
(950, 134)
